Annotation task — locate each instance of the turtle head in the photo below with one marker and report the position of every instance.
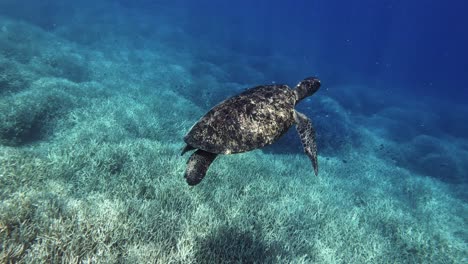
(307, 87)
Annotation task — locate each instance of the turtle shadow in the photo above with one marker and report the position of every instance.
(229, 245)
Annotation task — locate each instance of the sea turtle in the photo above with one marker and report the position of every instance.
(250, 120)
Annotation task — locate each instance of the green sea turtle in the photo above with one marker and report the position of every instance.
(250, 120)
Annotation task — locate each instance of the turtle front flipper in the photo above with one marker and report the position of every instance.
(307, 133)
(197, 165)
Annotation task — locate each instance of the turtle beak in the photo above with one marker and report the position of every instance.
(312, 84)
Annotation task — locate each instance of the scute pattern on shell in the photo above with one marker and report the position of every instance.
(252, 119)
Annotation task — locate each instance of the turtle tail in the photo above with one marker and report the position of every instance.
(197, 165)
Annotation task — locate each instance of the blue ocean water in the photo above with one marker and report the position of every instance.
(413, 48)
(393, 73)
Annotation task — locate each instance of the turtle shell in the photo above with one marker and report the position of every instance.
(250, 120)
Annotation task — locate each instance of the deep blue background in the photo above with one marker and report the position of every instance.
(412, 45)
(418, 47)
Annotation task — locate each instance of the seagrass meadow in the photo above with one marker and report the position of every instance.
(92, 120)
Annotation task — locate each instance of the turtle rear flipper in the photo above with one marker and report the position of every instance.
(307, 133)
(186, 148)
(197, 165)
